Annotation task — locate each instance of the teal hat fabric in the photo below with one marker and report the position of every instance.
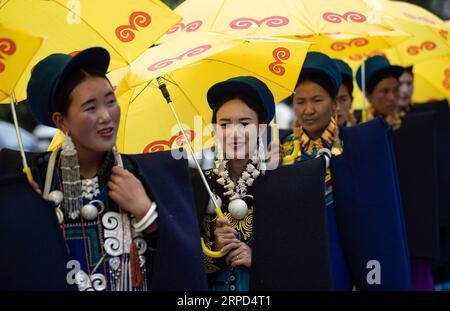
(344, 69)
(48, 74)
(375, 65)
(248, 85)
(320, 63)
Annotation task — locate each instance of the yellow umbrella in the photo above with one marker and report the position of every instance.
(125, 28)
(432, 79)
(337, 28)
(17, 48)
(190, 66)
(277, 18)
(429, 40)
(430, 34)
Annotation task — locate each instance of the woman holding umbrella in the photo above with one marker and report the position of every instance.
(242, 107)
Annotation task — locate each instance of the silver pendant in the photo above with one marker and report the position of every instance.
(238, 209)
(59, 215)
(89, 212)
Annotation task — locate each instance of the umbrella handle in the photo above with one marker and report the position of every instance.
(27, 172)
(291, 158)
(218, 211)
(208, 252)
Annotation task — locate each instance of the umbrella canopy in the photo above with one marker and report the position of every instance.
(190, 66)
(277, 18)
(17, 48)
(124, 28)
(338, 29)
(432, 79)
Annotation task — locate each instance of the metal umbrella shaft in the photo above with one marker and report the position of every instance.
(217, 209)
(26, 169)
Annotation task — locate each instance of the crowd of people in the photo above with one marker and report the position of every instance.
(324, 206)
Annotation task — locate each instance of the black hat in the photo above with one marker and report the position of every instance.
(375, 65)
(344, 68)
(48, 74)
(247, 85)
(320, 63)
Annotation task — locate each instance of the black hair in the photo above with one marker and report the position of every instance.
(409, 70)
(66, 86)
(320, 79)
(348, 82)
(381, 75)
(250, 101)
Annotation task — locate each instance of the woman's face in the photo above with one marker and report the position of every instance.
(406, 89)
(237, 129)
(384, 97)
(93, 116)
(313, 108)
(344, 103)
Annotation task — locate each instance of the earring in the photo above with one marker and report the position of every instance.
(298, 130)
(71, 181)
(261, 156)
(336, 149)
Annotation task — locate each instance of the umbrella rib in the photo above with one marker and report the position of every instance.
(94, 30)
(6, 2)
(185, 95)
(128, 109)
(217, 14)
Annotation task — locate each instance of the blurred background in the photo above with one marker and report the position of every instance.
(37, 138)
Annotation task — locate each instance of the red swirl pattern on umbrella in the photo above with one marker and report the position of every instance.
(279, 54)
(363, 56)
(351, 16)
(169, 61)
(342, 45)
(425, 46)
(125, 33)
(418, 18)
(189, 27)
(443, 34)
(174, 141)
(7, 48)
(247, 22)
(446, 81)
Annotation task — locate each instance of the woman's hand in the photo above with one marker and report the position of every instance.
(225, 236)
(240, 256)
(129, 193)
(239, 253)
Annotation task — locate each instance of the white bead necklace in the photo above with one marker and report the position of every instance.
(237, 207)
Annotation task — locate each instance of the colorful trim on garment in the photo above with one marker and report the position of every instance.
(394, 119)
(309, 147)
